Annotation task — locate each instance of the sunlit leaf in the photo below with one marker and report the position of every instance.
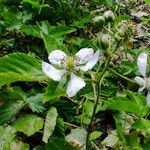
(50, 123)
(77, 137)
(28, 124)
(20, 67)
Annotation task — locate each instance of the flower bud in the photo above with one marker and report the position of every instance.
(109, 16)
(104, 41)
(99, 20)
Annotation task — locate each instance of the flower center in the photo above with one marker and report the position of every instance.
(69, 63)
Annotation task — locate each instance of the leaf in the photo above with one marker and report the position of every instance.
(32, 2)
(51, 43)
(36, 103)
(94, 135)
(50, 123)
(109, 2)
(111, 140)
(7, 135)
(19, 146)
(51, 35)
(142, 125)
(9, 110)
(28, 124)
(54, 91)
(123, 104)
(14, 93)
(58, 144)
(147, 1)
(77, 137)
(132, 141)
(20, 67)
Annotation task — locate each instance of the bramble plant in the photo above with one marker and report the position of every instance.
(74, 75)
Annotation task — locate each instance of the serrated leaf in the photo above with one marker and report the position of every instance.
(51, 35)
(123, 104)
(9, 110)
(36, 103)
(7, 135)
(28, 124)
(77, 137)
(20, 67)
(50, 123)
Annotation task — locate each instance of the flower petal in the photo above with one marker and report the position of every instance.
(148, 98)
(51, 72)
(91, 63)
(140, 81)
(83, 55)
(142, 63)
(57, 57)
(75, 84)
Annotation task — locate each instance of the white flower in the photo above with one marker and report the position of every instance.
(145, 81)
(84, 60)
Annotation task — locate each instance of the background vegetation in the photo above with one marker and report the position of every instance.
(35, 112)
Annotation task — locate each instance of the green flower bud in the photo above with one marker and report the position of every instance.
(104, 41)
(99, 20)
(109, 16)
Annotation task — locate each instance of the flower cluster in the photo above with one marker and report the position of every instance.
(84, 60)
(145, 81)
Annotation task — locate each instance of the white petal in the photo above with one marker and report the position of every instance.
(56, 57)
(75, 84)
(83, 55)
(148, 99)
(91, 63)
(140, 81)
(51, 72)
(142, 63)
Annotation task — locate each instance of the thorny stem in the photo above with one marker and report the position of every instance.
(98, 85)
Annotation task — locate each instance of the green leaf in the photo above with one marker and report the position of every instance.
(147, 1)
(50, 123)
(123, 104)
(19, 146)
(77, 137)
(111, 140)
(54, 91)
(9, 110)
(36, 103)
(14, 93)
(56, 143)
(28, 124)
(32, 2)
(94, 135)
(51, 35)
(20, 67)
(142, 125)
(109, 2)
(51, 43)
(7, 135)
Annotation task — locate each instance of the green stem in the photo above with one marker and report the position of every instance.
(122, 76)
(98, 85)
(41, 7)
